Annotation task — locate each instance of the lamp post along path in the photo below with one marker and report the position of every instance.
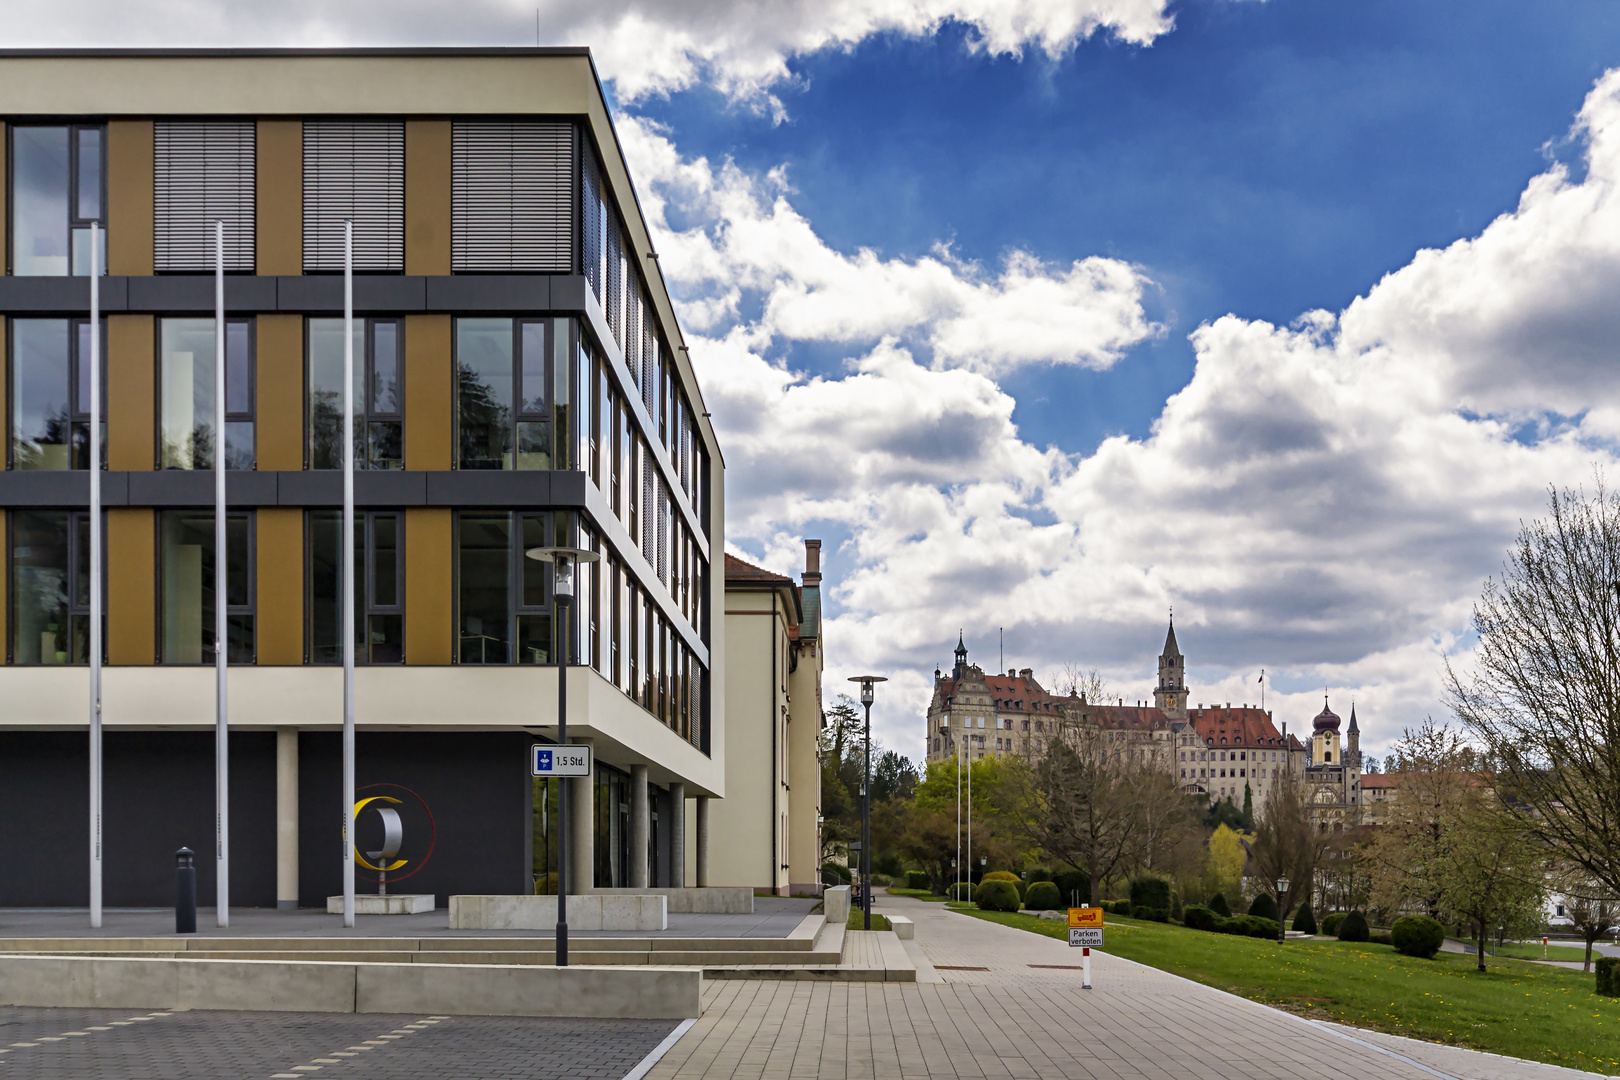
(867, 682)
(563, 560)
(1282, 907)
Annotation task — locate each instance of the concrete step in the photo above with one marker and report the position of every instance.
(576, 955)
(214, 946)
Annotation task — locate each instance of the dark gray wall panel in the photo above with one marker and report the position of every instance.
(390, 487)
(195, 292)
(489, 292)
(159, 796)
(477, 789)
(171, 487)
(59, 295)
(317, 487)
(468, 487)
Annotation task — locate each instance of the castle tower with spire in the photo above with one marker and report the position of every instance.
(1171, 693)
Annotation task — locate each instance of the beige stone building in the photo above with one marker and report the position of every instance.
(766, 833)
(1219, 751)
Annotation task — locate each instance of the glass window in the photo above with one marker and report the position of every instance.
(50, 587)
(511, 401)
(379, 429)
(57, 185)
(186, 357)
(50, 394)
(186, 564)
(504, 598)
(379, 612)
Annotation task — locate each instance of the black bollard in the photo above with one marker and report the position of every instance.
(185, 892)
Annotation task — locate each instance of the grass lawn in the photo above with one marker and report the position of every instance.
(1521, 1009)
(1533, 952)
(918, 894)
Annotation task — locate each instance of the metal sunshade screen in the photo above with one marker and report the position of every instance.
(511, 199)
(615, 279)
(354, 171)
(202, 172)
(591, 213)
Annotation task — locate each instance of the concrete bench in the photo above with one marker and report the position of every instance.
(904, 928)
(712, 900)
(592, 911)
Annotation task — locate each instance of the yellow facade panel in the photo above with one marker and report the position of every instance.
(129, 197)
(427, 196)
(280, 360)
(131, 586)
(131, 391)
(280, 550)
(429, 386)
(429, 596)
(279, 200)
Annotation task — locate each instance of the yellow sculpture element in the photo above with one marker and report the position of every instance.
(361, 859)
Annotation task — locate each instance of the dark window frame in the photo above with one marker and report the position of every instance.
(77, 521)
(516, 565)
(250, 609)
(368, 607)
(559, 424)
(251, 416)
(74, 220)
(364, 414)
(77, 418)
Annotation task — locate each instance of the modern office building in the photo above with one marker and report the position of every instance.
(520, 380)
(775, 653)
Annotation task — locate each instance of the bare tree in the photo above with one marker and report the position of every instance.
(1088, 684)
(1593, 912)
(1544, 699)
(1452, 846)
(1286, 842)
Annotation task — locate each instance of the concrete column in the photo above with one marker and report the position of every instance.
(640, 826)
(702, 842)
(677, 836)
(581, 834)
(287, 818)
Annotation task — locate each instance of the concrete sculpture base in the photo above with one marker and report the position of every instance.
(593, 911)
(738, 900)
(392, 904)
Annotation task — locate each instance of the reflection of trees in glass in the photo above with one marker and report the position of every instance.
(326, 431)
(486, 422)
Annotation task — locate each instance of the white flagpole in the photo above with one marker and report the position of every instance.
(346, 581)
(95, 581)
(222, 751)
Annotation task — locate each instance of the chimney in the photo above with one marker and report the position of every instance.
(812, 562)
(1027, 674)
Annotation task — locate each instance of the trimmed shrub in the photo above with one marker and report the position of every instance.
(1198, 917)
(1330, 923)
(1043, 896)
(916, 879)
(1151, 891)
(1417, 935)
(1264, 906)
(1150, 914)
(999, 875)
(1305, 922)
(1253, 926)
(1175, 906)
(1381, 937)
(997, 895)
(1074, 884)
(962, 891)
(1608, 976)
(1038, 873)
(1354, 927)
(1119, 907)
(1219, 906)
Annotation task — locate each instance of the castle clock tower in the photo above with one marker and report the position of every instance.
(1171, 694)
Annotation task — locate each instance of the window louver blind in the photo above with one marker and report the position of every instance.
(592, 211)
(615, 280)
(354, 171)
(202, 172)
(511, 196)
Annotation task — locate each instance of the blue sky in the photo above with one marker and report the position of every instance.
(1262, 159)
(1053, 315)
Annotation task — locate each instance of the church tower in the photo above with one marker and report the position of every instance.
(1171, 694)
(961, 658)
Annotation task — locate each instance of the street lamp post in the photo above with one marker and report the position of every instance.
(1282, 906)
(562, 560)
(866, 682)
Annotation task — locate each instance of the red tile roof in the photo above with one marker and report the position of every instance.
(1244, 726)
(737, 570)
(1380, 780)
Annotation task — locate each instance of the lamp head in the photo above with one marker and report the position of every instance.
(866, 682)
(1282, 884)
(562, 560)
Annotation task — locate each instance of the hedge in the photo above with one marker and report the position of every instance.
(1330, 923)
(1417, 935)
(1151, 891)
(1354, 927)
(1072, 884)
(1264, 906)
(1043, 896)
(1219, 906)
(1608, 976)
(1118, 907)
(997, 895)
(1150, 914)
(916, 879)
(962, 891)
(1305, 922)
(1198, 917)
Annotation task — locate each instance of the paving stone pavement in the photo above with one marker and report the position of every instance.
(105, 1044)
(1009, 1003)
